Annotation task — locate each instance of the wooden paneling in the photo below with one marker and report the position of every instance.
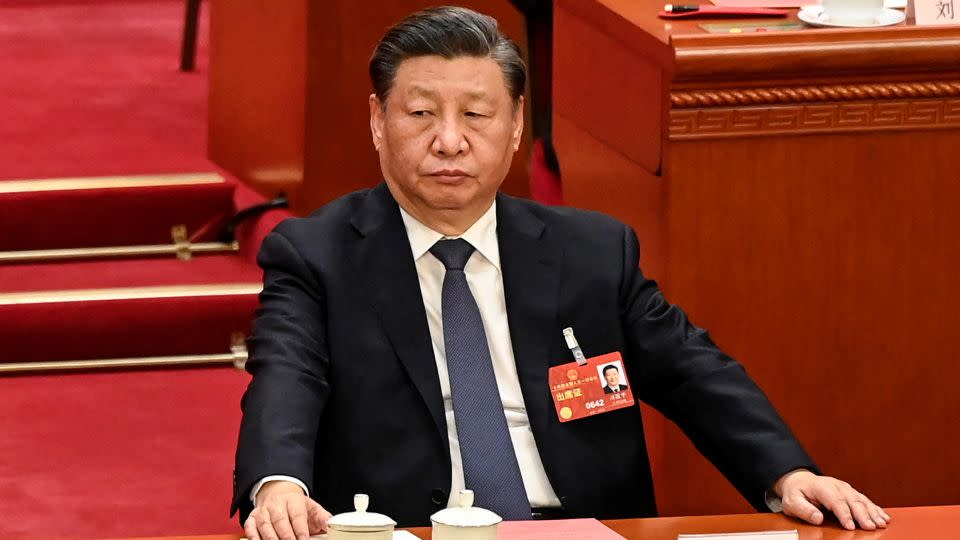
(806, 217)
(256, 105)
(590, 91)
(828, 266)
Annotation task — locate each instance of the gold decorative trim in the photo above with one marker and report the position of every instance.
(237, 357)
(178, 233)
(129, 293)
(806, 94)
(813, 118)
(108, 182)
(46, 255)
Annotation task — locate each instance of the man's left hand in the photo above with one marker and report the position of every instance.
(804, 494)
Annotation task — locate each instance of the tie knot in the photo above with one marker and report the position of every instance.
(452, 253)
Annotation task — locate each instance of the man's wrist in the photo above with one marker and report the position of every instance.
(276, 478)
(778, 485)
(773, 497)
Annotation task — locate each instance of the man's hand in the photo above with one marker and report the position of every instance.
(804, 494)
(283, 512)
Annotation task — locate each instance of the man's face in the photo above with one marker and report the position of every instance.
(446, 135)
(613, 377)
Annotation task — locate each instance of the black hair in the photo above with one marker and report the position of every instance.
(611, 366)
(450, 32)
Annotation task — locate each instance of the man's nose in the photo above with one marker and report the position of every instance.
(450, 139)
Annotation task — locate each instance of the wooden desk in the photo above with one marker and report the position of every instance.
(796, 193)
(909, 524)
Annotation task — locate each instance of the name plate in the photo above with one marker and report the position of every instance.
(934, 12)
(764, 535)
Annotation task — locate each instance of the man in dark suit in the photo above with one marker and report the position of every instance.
(405, 332)
(611, 374)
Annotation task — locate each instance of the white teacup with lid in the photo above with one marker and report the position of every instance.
(465, 522)
(360, 524)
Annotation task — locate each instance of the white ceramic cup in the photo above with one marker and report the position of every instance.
(852, 11)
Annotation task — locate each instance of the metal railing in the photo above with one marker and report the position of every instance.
(237, 357)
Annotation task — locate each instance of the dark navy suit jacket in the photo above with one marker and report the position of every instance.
(345, 393)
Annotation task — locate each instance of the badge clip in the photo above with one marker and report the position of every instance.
(574, 346)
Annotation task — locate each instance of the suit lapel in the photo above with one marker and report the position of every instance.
(384, 259)
(530, 262)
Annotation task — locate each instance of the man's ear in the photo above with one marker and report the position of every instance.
(376, 121)
(517, 134)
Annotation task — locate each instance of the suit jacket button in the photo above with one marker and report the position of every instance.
(438, 496)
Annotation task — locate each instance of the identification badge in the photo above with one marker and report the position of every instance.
(595, 386)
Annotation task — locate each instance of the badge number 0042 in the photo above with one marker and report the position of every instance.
(601, 385)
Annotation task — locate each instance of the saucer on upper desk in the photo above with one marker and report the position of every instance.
(814, 16)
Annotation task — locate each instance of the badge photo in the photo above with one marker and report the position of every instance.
(613, 377)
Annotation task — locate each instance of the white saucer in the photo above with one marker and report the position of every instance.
(814, 16)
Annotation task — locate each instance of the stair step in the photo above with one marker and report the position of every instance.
(102, 274)
(124, 322)
(110, 211)
(125, 308)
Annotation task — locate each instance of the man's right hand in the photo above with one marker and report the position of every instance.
(284, 512)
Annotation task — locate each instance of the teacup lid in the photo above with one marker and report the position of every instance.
(361, 520)
(466, 515)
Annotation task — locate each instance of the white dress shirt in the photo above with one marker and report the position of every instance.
(486, 283)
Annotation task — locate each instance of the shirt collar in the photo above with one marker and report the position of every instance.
(482, 235)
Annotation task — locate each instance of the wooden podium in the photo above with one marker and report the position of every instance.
(798, 194)
(288, 93)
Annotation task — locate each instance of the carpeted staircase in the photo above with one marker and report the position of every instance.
(109, 289)
(89, 89)
(102, 269)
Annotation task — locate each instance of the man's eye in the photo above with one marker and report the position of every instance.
(420, 113)
(473, 114)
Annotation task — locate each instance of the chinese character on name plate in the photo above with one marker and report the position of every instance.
(945, 9)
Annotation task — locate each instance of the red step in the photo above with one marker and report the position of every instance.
(126, 308)
(110, 211)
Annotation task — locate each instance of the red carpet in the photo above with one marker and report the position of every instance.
(142, 453)
(92, 88)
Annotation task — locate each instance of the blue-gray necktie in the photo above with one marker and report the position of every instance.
(490, 466)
